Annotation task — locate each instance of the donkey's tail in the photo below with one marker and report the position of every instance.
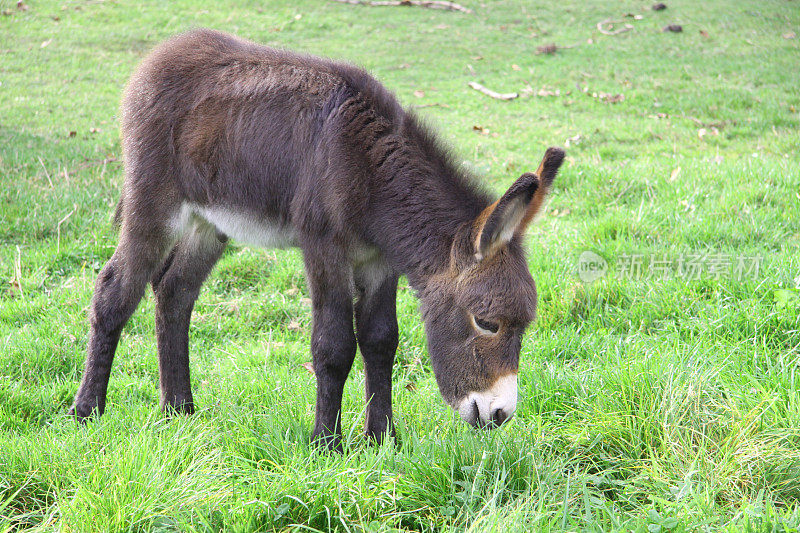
(118, 212)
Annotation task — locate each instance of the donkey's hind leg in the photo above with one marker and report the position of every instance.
(118, 290)
(176, 287)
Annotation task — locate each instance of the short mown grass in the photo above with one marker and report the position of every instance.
(651, 399)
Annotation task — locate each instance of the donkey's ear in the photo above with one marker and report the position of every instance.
(510, 215)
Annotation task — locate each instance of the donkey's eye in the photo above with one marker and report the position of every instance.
(485, 327)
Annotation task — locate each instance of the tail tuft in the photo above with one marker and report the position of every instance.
(118, 212)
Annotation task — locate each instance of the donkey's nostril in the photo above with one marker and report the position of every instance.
(499, 416)
(476, 414)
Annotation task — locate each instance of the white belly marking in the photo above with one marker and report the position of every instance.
(246, 228)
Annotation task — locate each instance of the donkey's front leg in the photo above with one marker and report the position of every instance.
(376, 327)
(333, 343)
(333, 347)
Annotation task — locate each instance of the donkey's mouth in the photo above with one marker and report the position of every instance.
(492, 407)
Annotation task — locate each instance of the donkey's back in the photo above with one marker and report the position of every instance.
(237, 132)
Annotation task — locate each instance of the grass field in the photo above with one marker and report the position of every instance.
(661, 397)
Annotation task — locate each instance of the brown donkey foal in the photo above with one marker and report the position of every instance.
(224, 138)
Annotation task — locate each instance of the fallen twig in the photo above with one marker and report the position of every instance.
(58, 227)
(46, 173)
(95, 162)
(430, 4)
(421, 106)
(18, 273)
(546, 49)
(492, 94)
(609, 98)
(610, 23)
(552, 48)
(713, 125)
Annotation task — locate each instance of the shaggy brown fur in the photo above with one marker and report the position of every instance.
(225, 138)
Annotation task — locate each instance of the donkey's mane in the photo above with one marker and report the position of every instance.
(421, 138)
(409, 162)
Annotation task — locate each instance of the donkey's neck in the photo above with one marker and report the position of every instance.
(419, 208)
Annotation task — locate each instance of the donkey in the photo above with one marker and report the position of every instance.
(226, 139)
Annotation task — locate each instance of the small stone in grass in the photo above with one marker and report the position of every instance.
(674, 28)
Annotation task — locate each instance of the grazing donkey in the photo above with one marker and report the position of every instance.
(224, 138)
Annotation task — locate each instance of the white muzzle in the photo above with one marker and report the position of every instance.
(491, 407)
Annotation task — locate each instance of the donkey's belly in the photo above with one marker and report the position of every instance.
(246, 228)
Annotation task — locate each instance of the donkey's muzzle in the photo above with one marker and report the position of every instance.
(492, 407)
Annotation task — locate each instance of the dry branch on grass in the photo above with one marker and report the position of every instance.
(610, 31)
(430, 4)
(493, 94)
(422, 106)
(17, 280)
(546, 49)
(552, 48)
(58, 227)
(46, 173)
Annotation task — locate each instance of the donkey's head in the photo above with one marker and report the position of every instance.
(477, 310)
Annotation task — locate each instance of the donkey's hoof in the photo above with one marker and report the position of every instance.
(82, 412)
(331, 442)
(380, 435)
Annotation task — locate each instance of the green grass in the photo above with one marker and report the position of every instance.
(651, 404)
